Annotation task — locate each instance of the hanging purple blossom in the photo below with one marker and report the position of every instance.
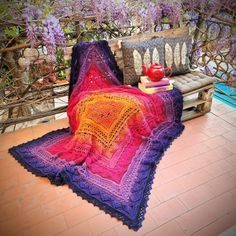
(53, 25)
(120, 14)
(49, 39)
(155, 12)
(100, 10)
(143, 18)
(52, 34)
(172, 11)
(31, 12)
(31, 32)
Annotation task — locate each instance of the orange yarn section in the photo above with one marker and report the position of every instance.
(104, 115)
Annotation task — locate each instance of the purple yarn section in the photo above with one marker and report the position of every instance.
(80, 53)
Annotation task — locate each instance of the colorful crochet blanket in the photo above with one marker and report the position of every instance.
(116, 138)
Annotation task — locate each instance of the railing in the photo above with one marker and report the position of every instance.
(30, 86)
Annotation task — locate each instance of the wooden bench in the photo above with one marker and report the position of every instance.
(197, 88)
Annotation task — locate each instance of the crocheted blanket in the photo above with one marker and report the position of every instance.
(116, 138)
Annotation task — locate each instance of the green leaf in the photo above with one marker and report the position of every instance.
(67, 29)
(12, 31)
(165, 20)
(4, 11)
(88, 25)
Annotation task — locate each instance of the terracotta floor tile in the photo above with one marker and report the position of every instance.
(82, 229)
(216, 142)
(222, 204)
(217, 154)
(215, 131)
(221, 224)
(153, 201)
(175, 171)
(231, 136)
(181, 185)
(221, 109)
(167, 211)
(47, 228)
(232, 160)
(233, 191)
(147, 226)
(221, 184)
(169, 190)
(218, 168)
(9, 210)
(81, 213)
(229, 126)
(6, 160)
(198, 136)
(196, 219)
(158, 180)
(231, 147)
(23, 135)
(233, 174)
(207, 213)
(62, 190)
(61, 205)
(9, 172)
(101, 223)
(7, 184)
(8, 195)
(194, 179)
(184, 154)
(9, 227)
(111, 232)
(21, 221)
(196, 163)
(169, 229)
(229, 116)
(33, 187)
(7, 140)
(196, 196)
(202, 232)
(24, 176)
(43, 198)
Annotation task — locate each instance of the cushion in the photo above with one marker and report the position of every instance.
(177, 51)
(192, 81)
(136, 54)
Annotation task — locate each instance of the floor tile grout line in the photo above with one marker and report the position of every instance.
(113, 228)
(188, 210)
(161, 225)
(48, 218)
(195, 156)
(225, 120)
(200, 168)
(214, 197)
(196, 187)
(213, 222)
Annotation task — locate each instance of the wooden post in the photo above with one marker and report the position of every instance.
(205, 95)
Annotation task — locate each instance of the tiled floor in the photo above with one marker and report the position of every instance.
(194, 192)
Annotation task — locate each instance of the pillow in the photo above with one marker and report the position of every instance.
(136, 54)
(177, 51)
